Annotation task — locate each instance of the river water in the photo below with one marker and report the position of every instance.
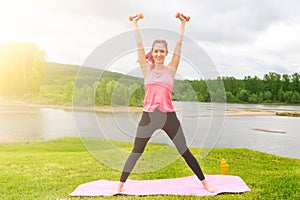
(204, 125)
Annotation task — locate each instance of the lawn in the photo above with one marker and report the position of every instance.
(53, 169)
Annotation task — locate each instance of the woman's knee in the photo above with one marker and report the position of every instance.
(139, 145)
(138, 149)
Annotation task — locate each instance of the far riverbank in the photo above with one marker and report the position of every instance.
(229, 111)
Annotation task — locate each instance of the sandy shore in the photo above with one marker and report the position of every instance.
(229, 112)
(249, 112)
(71, 107)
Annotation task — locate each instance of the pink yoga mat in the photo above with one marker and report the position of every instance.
(174, 186)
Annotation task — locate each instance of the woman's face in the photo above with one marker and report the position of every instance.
(159, 53)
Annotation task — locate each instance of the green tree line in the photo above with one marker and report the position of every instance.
(273, 88)
(105, 92)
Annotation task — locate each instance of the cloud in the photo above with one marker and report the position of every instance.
(241, 37)
(238, 21)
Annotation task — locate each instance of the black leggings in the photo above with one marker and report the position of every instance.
(150, 122)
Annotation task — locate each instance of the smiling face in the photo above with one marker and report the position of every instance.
(159, 53)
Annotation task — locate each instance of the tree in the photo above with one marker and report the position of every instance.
(253, 85)
(110, 86)
(288, 96)
(200, 89)
(136, 95)
(120, 95)
(233, 85)
(261, 96)
(273, 84)
(68, 92)
(295, 97)
(244, 95)
(83, 95)
(22, 69)
(286, 82)
(101, 96)
(295, 85)
(230, 97)
(281, 95)
(253, 98)
(267, 96)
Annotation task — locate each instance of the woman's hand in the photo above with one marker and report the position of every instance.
(136, 18)
(182, 19)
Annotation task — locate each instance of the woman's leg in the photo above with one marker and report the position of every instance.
(144, 132)
(174, 130)
(138, 149)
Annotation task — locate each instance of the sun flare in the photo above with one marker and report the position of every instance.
(15, 16)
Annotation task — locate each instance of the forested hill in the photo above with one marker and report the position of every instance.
(273, 88)
(25, 75)
(60, 74)
(60, 80)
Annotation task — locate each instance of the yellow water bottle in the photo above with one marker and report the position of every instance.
(224, 167)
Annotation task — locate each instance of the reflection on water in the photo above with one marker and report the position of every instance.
(20, 123)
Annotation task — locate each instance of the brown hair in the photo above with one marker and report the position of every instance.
(160, 41)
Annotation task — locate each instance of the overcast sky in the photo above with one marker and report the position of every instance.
(241, 37)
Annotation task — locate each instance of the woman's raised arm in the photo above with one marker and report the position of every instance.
(174, 63)
(140, 47)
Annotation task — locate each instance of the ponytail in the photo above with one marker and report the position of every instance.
(150, 59)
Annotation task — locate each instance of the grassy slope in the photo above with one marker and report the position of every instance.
(60, 74)
(53, 169)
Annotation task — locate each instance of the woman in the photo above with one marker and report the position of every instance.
(158, 111)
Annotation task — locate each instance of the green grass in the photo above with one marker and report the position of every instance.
(53, 169)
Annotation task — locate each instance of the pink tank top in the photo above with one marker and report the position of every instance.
(158, 90)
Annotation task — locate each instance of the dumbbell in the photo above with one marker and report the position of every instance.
(187, 18)
(140, 15)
